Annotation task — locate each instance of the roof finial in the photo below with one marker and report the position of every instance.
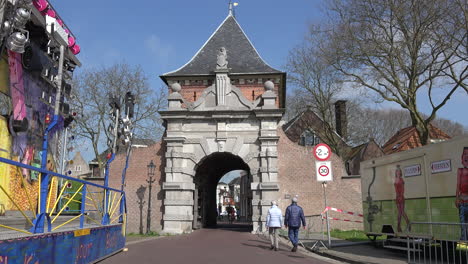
(231, 8)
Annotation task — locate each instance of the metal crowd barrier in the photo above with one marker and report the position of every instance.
(430, 242)
(70, 203)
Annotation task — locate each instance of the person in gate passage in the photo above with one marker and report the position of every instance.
(230, 212)
(462, 194)
(400, 198)
(274, 221)
(220, 210)
(294, 217)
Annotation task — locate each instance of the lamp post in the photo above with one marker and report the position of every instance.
(150, 181)
(141, 194)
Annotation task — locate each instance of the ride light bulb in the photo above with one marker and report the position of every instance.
(16, 42)
(75, 49)
(40, 5)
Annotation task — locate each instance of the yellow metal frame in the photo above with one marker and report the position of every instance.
(115, 208)
(61, 210)
(58, 198)
(50, 194)
(115, 218)
(31, 207)
(57, 227)
(15, 204)
(73, 200)
(94, 202)
(87, 216)
(112, 202)
(19, 230)
(39, 194)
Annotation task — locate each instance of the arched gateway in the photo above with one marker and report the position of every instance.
(224, 108)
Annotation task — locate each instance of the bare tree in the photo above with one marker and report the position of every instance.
(450, 127)
(317, 87)
(382, 124)
(401, 50)
(378, 124)
(92, 89)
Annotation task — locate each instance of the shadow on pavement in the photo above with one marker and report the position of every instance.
(372, 251)
(235, 227)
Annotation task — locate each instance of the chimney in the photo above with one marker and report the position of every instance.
(340, 117)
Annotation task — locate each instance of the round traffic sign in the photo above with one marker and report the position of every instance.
(323, 171)
(322, 152)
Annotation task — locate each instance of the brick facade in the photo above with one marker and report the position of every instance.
(251, 88)
(296, 165)
(137, 176)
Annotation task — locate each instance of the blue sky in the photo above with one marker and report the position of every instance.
(161, 36)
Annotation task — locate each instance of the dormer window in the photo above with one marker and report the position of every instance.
(308, 138)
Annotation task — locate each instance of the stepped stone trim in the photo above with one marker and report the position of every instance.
(174, 217)
(271, 170)
(178, 202)
(182, 170)
(178, 186)
(269, 186)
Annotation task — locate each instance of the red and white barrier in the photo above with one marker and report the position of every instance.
(346, 220)
(328, 208)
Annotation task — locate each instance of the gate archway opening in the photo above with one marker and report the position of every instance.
(208, 173)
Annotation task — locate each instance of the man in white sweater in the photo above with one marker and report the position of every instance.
(274, 222)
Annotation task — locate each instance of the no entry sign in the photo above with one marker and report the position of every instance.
(323, 170)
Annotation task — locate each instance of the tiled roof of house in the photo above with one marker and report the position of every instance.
(408, 138)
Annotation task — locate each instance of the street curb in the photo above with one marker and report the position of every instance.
(309, 253)
(328, 256)
(143, 240)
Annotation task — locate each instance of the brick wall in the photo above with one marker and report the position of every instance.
(251, 91)
(296, 165)
(135, 177)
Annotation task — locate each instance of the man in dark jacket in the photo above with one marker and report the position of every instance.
(292, 221)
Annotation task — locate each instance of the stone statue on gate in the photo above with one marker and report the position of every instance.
(222, 62)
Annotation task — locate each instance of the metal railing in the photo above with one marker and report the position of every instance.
(89, 203)
(430, 242)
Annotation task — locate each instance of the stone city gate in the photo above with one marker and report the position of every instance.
(223, 112)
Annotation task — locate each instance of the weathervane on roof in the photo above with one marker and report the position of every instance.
(231, 8)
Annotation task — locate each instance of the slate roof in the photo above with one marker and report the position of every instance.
(407, 138)
(242, 56)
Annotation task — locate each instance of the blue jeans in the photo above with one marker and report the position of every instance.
(463, 209)
(293, 233)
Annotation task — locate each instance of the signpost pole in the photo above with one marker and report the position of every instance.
(324, 185)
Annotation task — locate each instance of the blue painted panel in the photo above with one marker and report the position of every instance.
(62, 247)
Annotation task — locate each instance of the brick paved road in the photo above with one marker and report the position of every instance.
(207, 246)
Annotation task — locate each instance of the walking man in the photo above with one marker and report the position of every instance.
(273, 222)
(293, 218)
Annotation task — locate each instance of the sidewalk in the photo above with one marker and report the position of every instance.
(353, 252)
